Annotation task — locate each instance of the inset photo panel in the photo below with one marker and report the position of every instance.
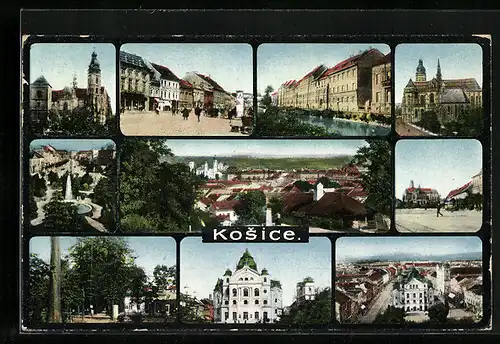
(439, 89)
(72, 186)
(282, 284)
(334, 89)
(100, 280)
(183, 185)
(72, 89)
(409, 280)
(186, 89)
(439, 185)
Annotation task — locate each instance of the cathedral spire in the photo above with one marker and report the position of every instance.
(420, 75)
(75, 84)
(438, 74)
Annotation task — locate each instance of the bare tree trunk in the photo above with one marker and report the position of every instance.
(55, 282)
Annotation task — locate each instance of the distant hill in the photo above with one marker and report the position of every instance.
(279, 163)
(417, 257)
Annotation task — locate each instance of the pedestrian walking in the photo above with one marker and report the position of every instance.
(185, 113)
(438, 209)
(197, 112)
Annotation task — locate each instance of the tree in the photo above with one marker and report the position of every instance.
(102, 266)
(376, 157)
(392, 315)
(276, 204)
(105, 195)
(39, 186)
(33, 207)
(250, 209)
(310, 312)
(62, 217)
(303, 185)
(430, 122)
(55, 314)
(87, 179)
(53, 178)
(164, 276)
(36, 296)
(438, 313)
(266, 99)
(327, 183)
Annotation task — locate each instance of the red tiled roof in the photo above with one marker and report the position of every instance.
(351, 61)
(460, 190)
(185, 83)
(223, 205)
(309, 74)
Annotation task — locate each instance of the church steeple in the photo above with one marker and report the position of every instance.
(420, 75)
(439, 77)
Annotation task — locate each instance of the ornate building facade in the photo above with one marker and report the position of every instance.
(135, 77)
(247, 295)
(447, 97)
(420, 196)
(413, 292)
(43, 98)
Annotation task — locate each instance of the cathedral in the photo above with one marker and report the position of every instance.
(448, 98)
(247, 296)
(44, 99)
(215, 172)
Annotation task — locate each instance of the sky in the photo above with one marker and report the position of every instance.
(203, 263)
(59, 61)
(463, 60)
(283, 147)
(277, 63)
(364, 247)
(150, 251)
(444, 164)
(229, 64)
(71, 145)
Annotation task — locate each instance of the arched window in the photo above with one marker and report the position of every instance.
(245, 302)
(234, 302)
(431, 98)
(39, 94)
(265, 291)
(234, 292)
(241, 279)
(265, 302)
(245, 292)
(227, 280)
(265, 279)
(422, 99)
(246, 278)
(256, 292)
(256, 302)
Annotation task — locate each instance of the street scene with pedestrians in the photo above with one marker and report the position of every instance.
(439, 185)
(183, 89)
(409, 280)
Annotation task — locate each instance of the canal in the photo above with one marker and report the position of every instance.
(345, 127)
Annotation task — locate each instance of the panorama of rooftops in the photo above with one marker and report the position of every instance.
(72, 89)
(439, 89)
(409, 280)
(257, 283)
(72, 186)
(323, 89)
(330, 186)
(439, 185)
(186, 89)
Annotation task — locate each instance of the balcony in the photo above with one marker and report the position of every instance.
(386, 83)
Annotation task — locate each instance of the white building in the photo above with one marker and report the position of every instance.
(214, 172)
(247, 296)
(473, 299)
(442, 279)
(305, 290)
(131, 307)
(167, 95)
(413, 293)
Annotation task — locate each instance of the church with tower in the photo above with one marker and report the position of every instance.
(448, 98)
(44, 99)
(247, 296)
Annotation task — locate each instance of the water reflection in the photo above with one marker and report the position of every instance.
(345, 127)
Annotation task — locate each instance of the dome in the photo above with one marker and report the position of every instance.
(264, 272)
(228, 273)
(41, 81)
(246, 260)
(420, 67)
(94, 63)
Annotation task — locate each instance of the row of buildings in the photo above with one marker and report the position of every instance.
(43, 98)
(361, 83)
(421, 196)
(448, 98)
(145, 85)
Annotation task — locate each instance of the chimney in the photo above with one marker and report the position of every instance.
(269, 217)
(319, 192)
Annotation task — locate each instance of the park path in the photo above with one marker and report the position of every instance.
(404, 129)
(379, 305)
(146, 123)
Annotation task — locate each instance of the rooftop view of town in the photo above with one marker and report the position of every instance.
(392, 286)
(348, 96)
(327, 193)
(72, 186)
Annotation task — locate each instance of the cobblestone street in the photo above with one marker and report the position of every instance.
(148, 123)
(421, 220)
